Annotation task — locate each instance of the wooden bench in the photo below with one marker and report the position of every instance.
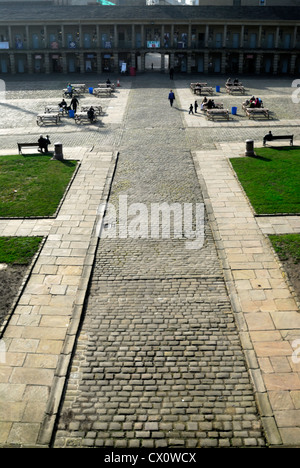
(271, 137)
(81, 117)
(106, 92)
(204, 89)
(47, 118)
(235, 88)
(211, 113)
(107, 85)
(75, 93)
(252, 111)
(79, 87)
(27, 145)
(218, 105)
(56, 109)
(97, 109)
(195, 86)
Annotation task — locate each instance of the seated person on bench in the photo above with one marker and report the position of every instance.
(91, 114)
(63, 105)
(43, 144)
(268, 137)
(211, 104)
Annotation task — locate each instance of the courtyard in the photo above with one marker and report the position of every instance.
(177, 347)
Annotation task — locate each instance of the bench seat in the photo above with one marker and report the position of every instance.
(252, 111)
(268, 138)
(211, 113)
(81, 117)
(97, 109)
(48, 117)
(102, 92)
(27, 145)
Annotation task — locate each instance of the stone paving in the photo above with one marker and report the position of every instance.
(177, 347)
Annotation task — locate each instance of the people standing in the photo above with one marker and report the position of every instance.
(196, 106)
(171, 97)
(74, 104)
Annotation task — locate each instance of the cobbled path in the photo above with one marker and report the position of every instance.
(158, 361)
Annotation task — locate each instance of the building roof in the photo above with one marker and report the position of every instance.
(45, 13)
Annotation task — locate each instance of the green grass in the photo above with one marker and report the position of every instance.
(271, 180)
(32, 185)
(18, 250)
(287, 246)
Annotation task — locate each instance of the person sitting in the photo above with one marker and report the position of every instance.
(63, 105)
(210, 104)
(69, 91)
(203, 103)
(43, 144)
(229, 82)
(268, 137)
(108, 83)
(91, 114)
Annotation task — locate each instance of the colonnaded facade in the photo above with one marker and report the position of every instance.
(43, 37)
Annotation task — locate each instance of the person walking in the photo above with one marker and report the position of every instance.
(171, 97)
(191, 109)
(74, 104)
(196, 106)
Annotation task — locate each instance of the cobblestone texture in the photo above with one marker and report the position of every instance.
(158, 360)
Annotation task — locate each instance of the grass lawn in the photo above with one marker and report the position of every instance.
(287, 246)
(32, 185)
(18, 250)
(271, 180)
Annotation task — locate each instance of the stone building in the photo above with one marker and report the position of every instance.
(42, 37)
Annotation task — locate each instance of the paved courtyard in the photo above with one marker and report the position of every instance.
(143, 342)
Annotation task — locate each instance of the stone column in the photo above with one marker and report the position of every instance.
(275, 64)
(115, 42)
(277, 38)
(12, 63)
(241, 63)
(206, 60)
(133, 36)
(116, 62)
(224, 35)
(47, 64)
(223, 63)
(189, 62)
(64, 63)
(293, 63)
(172, 60)
(259, 37)
(242, 37)
(29, 63)
(162, 62)
(258, 64)
(81, 62)
(142, 61)
(99, 63)
(206, 35)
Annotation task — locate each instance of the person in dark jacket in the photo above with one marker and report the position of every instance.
(74, 104)
(171, 97)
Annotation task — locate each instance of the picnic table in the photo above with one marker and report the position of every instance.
(55, 109)
(197, 85)
(107, 85)
(80, 87)
(235, 88)
(75, 92)
(203, 89)
(97, 109)
(218, 105)
(254, 111)
(48, 117)
(211, 113)
(81, 117)
(106, 92)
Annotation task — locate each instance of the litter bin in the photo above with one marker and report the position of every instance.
(71, 113)
(91, 90)
(234, 110)
(217, 89)
(132, 71)
(58, 151)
